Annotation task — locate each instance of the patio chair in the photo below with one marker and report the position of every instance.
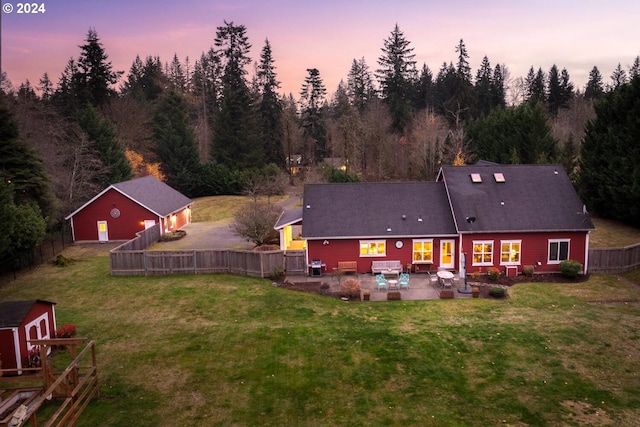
(433, 279)
(381, 281)
(403, 281)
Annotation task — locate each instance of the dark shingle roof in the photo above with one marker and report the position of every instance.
(154, 195)
(289, 217)
(531, 198)
(12, 313)
(148, 192)
(370, 209)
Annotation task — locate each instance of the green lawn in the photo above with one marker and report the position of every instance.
(219, 350)
(613, 234)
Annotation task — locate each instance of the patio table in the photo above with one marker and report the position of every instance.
(445, 277)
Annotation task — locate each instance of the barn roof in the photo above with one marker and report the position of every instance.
(376, 210)
(501, 198)
(149, 192)
(12, 313)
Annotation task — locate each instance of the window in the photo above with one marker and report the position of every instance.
(483, 252)
(558, 251)
(422, 251)
(373, 248)
(510, 252)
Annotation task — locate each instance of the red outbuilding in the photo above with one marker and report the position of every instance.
(21, 321)
(123, 209)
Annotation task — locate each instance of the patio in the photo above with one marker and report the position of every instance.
(420, 286)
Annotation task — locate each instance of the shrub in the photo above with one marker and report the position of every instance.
(570, 268)
(493, 273)
(350, 288)
(475, 276)
(497, 292)
(277, 273)
(527, 270)
(62, 261)
(66, 331)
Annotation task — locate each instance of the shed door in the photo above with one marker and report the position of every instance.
(148, 223)
(103, 232)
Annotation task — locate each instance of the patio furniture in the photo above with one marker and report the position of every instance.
(393, 284)
(403, 281)
(446, 278)
(382, 282)
(381, 266)
(433, 278)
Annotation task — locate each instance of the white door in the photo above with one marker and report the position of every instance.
(103, 232)
(148, 223)
(446, 254)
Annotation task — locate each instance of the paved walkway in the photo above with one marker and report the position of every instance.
(420, 286)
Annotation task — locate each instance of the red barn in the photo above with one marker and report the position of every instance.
(125, 208)
(21, 321)
(469, 219)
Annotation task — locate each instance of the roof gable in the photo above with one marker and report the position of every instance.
(289, 217)
(150, 193)
(387, 209)
(514, 198)
(12, 313)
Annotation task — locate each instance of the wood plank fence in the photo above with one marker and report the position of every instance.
(614, 260)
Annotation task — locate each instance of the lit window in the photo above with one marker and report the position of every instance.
(373, 248)
(558, 251)
(422, 251)
(499, 177)
(483, 252)
(476, 178)
(510, 252)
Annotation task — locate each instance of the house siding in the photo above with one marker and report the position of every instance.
(125, 227)
(534, 248)
(349, 250)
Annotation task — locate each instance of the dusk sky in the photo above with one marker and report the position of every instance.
(329, 34)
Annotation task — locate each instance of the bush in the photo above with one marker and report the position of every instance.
(527, 270)
(497, 292)
(493, 273)
(570, 268)
(66, 331)
(277, 273)
(350, 288)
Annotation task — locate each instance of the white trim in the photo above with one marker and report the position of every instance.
(473, 252)
(368, 241)
(35, 323)
(586, 254)
(549, 241)
(511, 242)
(423, 241)
(452, 243)
(16, 345)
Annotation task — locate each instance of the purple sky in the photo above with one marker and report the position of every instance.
(329, 34)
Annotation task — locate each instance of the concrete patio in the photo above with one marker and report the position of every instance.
(420, 286)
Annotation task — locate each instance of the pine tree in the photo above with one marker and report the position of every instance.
(634, 70)
(96, 73)
(595, 87)
(176, 74)
(554, 91)
(396, 75)
(315, 135)
(535, 86)
(497, 87)
(235, 142)
(609, 175)
(176, 146)
(484, 87)
(270, 109)
(618, 77)
(46, 87)
(108, 148)
(359, 85)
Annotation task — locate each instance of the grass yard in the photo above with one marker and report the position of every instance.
(612, 234)
(216, 208)
(219, 350)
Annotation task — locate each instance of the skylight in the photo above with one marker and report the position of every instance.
(476, 178)
(499, 177)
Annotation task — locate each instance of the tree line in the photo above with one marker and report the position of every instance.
(214, 126)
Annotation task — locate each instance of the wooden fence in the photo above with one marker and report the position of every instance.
(295, 262)
(614, 260)
(143, 263)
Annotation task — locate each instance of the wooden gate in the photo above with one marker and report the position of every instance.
(295, 262)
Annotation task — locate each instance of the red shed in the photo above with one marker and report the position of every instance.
(125, 208)
(21, 321)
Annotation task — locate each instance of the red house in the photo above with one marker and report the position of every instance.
(125, 208)
(21, 321)
(470, 219)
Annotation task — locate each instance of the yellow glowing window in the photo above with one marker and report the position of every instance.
(483, 252)
(103, 227)
(372, 248)
(510, 252)
(422, 251)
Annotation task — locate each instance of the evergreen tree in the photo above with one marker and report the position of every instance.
(424, 89)
(535, 86)
(554, 95)
(176, 74)
(46, 87)
(484, 87)
(96, 73)
(445, 86)
(634, 70)
(312, 98)
(618, 78)
(513, 135)
(359, 85)
(270, 109)
(396, 75)
(497, 87)
(176, 146)
(609, 177)
(595, 87)
(461, 105)
(145, 81)
(109, 150)
(235, 142)
(21, 167)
